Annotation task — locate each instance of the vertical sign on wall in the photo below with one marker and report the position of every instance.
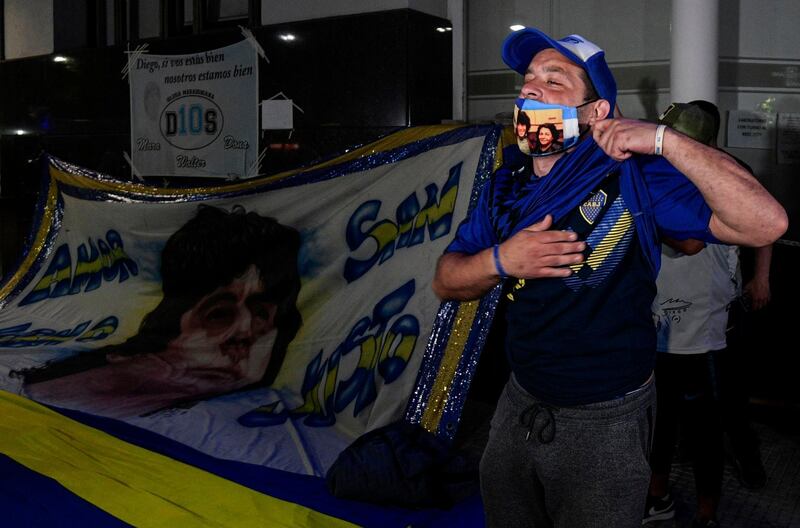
(788, 138)
(196, 114)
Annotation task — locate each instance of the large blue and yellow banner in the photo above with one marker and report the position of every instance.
(269, 322)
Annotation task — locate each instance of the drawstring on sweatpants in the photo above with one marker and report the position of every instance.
(547, 431)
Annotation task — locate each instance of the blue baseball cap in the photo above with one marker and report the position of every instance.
(520, 47)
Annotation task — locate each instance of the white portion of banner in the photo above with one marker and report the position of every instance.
(197, 114)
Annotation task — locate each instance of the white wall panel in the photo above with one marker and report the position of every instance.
(28, 28)
(628, 30)
(489, 109)
(489, 23)
(149, 18)
(109, 22)
(760, 28)
(642, 106)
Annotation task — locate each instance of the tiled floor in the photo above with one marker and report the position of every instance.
(775, 506)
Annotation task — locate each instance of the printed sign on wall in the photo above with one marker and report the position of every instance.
(754, 130)
(197, 114)
(788, 138)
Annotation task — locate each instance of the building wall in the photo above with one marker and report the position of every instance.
(759, 50)
(278, 11)
(760, 68)
(28, 28)
(149, 26)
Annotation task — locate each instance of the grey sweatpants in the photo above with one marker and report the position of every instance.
(593, 471)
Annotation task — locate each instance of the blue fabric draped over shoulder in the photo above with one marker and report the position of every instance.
(663, 201)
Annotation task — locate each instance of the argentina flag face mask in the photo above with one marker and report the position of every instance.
(545, 129)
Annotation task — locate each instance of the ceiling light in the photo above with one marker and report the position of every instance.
(286, 37)
(444, 29)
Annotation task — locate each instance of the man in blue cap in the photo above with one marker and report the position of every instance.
(575, 236)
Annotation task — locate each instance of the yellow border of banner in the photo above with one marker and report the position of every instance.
(390, 142)
(454, 349)
(138, 486)
(38, 241)
(459, 332)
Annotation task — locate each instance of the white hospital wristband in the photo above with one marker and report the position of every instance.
(660, 139)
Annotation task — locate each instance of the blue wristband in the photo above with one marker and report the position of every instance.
(497, 265)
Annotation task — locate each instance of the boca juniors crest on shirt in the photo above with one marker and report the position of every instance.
(592, 207)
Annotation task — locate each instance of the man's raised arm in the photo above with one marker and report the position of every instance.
(743, 212)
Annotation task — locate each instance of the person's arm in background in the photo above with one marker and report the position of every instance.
(757, 289)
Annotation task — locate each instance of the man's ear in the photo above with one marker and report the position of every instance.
(600, 109)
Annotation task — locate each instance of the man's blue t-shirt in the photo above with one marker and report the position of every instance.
(590, 337)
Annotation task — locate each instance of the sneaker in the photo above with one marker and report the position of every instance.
(658, 509)
(708, 523)
(750, 471)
